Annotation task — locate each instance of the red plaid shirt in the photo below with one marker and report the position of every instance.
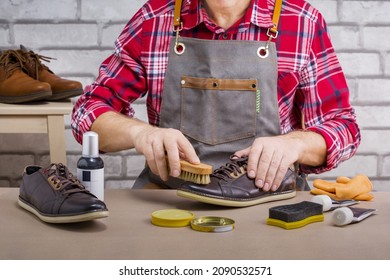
(310, 80)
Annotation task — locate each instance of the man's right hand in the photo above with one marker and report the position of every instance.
(158, 144)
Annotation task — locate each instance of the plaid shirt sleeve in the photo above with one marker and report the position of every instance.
(120, 82)
(326, 109)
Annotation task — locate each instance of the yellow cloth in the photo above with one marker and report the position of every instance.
(357, 188)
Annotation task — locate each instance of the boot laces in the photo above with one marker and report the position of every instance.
(61, 179)
(27, 61)
(10, 61)
(236, 166)
(34, 62)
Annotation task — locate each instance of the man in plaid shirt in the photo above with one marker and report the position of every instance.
(317, 124)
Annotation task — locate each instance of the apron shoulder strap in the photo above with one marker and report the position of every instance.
(276, 15)
(176, 15)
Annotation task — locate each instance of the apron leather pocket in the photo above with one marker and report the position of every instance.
(216, 111)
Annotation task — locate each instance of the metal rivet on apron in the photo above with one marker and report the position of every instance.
(253, 85)
(215, 84)
(262, 52)
(179, 48)
(183, 82)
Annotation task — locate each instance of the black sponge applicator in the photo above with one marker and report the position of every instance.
(295, 215)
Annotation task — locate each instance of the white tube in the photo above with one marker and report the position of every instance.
(348, 215)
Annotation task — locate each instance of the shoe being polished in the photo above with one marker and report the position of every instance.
(61, 88)
(15, 85)
(54, 195)
(230, 186)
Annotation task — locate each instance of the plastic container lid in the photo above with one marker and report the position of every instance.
(324, 200)
(90, 144)
(172, 218)
(212, 224)
(342, 216)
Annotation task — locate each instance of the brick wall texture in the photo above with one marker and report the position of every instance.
(81, 33)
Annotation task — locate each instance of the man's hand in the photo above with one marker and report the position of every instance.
(270, 157)
(158, 144)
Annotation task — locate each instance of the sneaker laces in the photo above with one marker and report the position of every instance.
(61, 179)
(236, 166)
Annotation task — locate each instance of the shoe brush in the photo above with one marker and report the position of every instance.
(196, 173)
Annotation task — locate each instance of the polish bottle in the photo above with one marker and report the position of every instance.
(90, 167)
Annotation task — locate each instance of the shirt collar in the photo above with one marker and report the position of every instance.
(258, 14)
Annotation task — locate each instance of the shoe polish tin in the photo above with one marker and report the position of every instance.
(212, 224)
(172, 218)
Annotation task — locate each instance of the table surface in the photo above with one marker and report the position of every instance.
(37, 108)
(128, 233)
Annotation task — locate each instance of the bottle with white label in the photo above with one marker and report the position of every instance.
(90, 167)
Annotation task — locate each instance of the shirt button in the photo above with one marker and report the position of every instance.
(224, 36)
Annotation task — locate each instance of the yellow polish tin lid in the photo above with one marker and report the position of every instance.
(172, 218)
(212, 224)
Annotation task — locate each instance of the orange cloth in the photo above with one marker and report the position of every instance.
(357, 188)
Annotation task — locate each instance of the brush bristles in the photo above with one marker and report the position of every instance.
(196, 173)
(195, 178)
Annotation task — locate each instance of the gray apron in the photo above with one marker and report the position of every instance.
(221, 95)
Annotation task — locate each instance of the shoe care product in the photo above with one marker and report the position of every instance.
(181, 218)
(329, 204)
(295, 215)
(212, 224)
(349, 215)
(172, 218)
(196, 173)
(90, 167)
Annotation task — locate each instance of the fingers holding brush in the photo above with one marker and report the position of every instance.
(178, 150)
(163, 148)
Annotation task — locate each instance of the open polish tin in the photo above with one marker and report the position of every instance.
(212, 224)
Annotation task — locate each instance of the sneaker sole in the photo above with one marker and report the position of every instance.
(237, 203)
(65, 218)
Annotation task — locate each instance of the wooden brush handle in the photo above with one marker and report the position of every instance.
(201, 168)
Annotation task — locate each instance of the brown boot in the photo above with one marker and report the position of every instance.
(15, 85)
(61, 88)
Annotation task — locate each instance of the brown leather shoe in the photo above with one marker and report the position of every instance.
(54, 195)
(230, 186)
(61, 88)
(15, 85)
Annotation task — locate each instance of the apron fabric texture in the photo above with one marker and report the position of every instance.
(221, 95)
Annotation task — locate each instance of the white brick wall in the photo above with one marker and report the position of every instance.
(81, 33)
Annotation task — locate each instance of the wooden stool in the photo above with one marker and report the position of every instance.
(42, 117)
